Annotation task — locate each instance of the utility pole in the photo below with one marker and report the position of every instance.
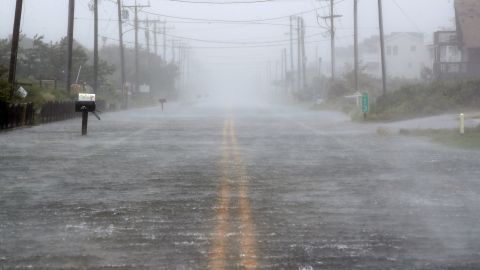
(95, 46)
(355, 19)
(122, 54)
(14, 50)
(292, 67)
(165, 42)
(155, 43)
(332, 36)
(173, 51)
(147, 36)
(299, 54)
(304, 58)
(285, 72)
(382, 47)
(71, 20)
(137, 80)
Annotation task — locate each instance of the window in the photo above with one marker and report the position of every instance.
(410, 65)
(395, 50)
(413, 48)
(389, 50)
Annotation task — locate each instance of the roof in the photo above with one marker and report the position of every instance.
(468, 19)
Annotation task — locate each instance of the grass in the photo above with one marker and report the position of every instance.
(449, 137)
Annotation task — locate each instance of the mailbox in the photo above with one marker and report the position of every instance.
(87, 106)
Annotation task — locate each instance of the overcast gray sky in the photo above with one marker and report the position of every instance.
(49, 17)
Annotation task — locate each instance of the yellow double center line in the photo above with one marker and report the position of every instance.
(234, 173)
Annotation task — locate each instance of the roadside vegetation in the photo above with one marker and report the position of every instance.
(449, 137)
(420, 100)
(405, 100)
(39, 61)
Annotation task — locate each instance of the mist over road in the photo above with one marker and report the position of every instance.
(199, 187)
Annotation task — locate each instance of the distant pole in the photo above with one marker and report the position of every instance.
(71, 20)
(155, 41)
(14, 50)
(299, 58)
(382, 47)
(137, 81)
(304, 58)
(173, 51)
(147, 36)
(355, 16)
(122, 54)
(165, 41)
(292, 67)
(95, 46)
(285, 70)
(332, 38)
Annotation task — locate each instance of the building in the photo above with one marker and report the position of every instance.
(457, 52)
(467, 16)
(447, 55)
(406, 55)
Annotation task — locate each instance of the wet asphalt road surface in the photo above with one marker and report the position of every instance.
(243, 188)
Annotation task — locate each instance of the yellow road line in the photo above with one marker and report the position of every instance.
(247, 242)
(218, 253)
(233, 168)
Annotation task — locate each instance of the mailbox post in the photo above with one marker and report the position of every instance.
(162, 101)
(85, 104)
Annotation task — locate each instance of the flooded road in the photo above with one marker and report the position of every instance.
(242, 188)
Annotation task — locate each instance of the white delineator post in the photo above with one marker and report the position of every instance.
(462, 123)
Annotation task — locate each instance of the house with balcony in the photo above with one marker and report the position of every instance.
(457, 53)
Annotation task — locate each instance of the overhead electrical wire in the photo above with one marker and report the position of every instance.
(230, 42)
(229, 21)
(239, 47)
(222, 3)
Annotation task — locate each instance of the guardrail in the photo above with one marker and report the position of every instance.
(16, 115)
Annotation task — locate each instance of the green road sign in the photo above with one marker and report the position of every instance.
(365, 102)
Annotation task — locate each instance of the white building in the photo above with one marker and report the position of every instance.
(406, 55)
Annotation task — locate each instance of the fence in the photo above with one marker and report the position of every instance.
(16, 115)
(57, 111)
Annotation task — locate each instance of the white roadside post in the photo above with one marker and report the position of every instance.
(462, 123)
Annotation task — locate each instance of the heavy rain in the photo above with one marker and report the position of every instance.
(239, 134)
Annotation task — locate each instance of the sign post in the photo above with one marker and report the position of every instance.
(365, 105)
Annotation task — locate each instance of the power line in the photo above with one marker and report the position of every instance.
(230, 21)
(240, 47)
(222, 3)
(230, 42)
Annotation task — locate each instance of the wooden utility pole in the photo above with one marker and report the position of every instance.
(147, 35)
(14, 50)
(332, 40)
(137, 80)
(173, 51)
(71, 20)
(332, 35)
(299, 53)
(382, 47)
(165, 42)
(122, 55)
(285, 70)
(292, 67)
(155, 43)
(304, 58)
(95, 46)
(355, 18)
